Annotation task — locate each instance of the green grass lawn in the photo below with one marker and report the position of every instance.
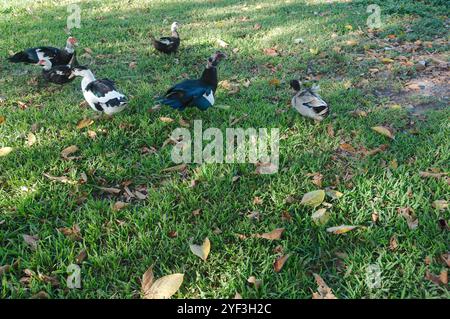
(122, 244)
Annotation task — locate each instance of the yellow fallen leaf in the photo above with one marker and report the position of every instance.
(440, 204)
(314, 51)
(166, 119)
(176, 168)
(274, 82)
(349, 27)
(5, 151)
(2, 119)
(84, 123)
(203, 250)
(314, 198)
(334, 194)
(383, 131)
(320, 217)
(341, 229)
(31, 139)
(387, 60)
(163, 288)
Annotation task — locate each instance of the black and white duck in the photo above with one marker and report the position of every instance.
(59, 74)
(308, 102)
(53, 55)
(101, 95)
(168, 44)
(200, 92)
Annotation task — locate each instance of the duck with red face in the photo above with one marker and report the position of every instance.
(53, 55)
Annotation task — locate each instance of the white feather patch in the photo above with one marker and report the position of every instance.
(209, 97)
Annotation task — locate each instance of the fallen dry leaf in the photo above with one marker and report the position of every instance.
(410, 216)
(314, 198)
(347, 147)
(61, 179)
(321, 216)
(203, 250)
(432, 174)
(442, 279)
(440, 204)
(163, 288)
(334, 194)
(255, 282)
(166, 119)
(81, 256)
(119, 206)
(222, 43)
(323, 291)
(279, 262)
(273, 235)
(84, 123)
(109, 190)
(69, 151)
(73, 232)
(176, 168)
(5, 151)
(271, 52)
(32, 241)
(383, 131)
(393, 244)
(341, 229)
(31, 139)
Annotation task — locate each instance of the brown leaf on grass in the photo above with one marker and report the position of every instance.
(347, 147)
(257, 200)
(445, 258)
(53, 281)
(40, 295)
(31, 139)
(69, 151)
(375, 217)
(176, 168)
(84, 123)
(358, 113)
(119, 206)
(440, 204)
(132, 65)
(255, 215)
(140, 195)
(92, 134)
(172, 234)
(316, 178)
(81, 256)
(255, 282)
(2, 119)
(376, 150)
(4, 269)
(330, 130)
(286, 217)
(279, 262)
(109, 190)
(184, 123)
(237, 296)
(432, 174)
(271, 52)
(393, 244)
(231, 87)
(61, 179)
(73, 232)
(410, 216)
(383, 131)
(441, 279)
(323, 291)
(163, 288)
(196, 212)
(341, 229)
(32, 241)
(203, 250)
(274, 82)
(273, 235)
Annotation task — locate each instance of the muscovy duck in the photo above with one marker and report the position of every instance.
(59, 74)
(101, 95)
(53, 55)
(308, 102)
(199, 93)
(168, 44)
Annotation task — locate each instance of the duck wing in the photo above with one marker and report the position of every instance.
(313, 101)
(59, 74)
(184, 94)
